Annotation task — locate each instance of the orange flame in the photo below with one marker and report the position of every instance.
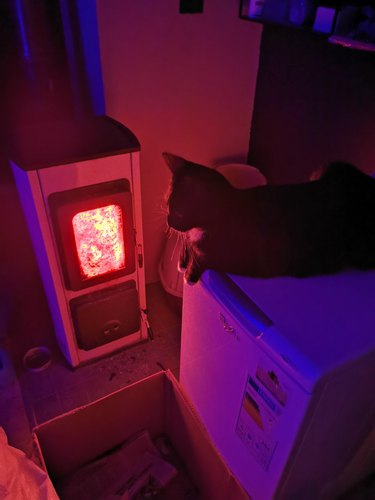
(99, 240)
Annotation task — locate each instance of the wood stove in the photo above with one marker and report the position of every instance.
(79, 185)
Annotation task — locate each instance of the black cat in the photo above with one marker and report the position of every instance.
(312, 228)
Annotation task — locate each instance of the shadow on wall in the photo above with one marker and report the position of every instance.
(21, 290)
(314, 103)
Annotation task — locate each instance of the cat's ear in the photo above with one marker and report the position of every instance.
(175, 163)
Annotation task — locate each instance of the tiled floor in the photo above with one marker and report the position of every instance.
(34, 397)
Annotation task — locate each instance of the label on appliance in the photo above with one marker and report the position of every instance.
(258, 416)
(272, 382)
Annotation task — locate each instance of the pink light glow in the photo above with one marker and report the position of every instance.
(99, 240)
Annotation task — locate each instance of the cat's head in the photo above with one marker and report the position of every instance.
(193, 193)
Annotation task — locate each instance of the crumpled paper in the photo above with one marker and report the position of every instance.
(20, 477)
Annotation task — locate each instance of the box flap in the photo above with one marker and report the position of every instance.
(192, 442)
(75, 438)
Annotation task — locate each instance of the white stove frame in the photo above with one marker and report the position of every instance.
(34, 187)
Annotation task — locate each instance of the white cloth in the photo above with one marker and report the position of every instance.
(20, 477)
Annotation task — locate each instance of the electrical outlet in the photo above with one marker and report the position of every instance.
(191, 6)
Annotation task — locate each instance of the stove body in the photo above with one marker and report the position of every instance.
(79, 185)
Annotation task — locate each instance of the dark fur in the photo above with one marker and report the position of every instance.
(307, 229)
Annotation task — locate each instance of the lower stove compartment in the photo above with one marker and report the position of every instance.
(107, 315)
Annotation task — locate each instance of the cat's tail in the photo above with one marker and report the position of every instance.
(337, 169)
(333, 168)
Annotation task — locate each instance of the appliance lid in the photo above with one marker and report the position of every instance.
(329, 320)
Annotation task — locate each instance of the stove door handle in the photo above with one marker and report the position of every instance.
(140, 255)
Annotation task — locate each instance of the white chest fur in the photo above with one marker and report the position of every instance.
(195, 235)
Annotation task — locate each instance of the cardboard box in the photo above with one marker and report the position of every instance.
(156, 404)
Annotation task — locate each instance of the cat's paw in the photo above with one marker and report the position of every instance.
(189, 282)
(191, 278)
(181, 268)
(183, 261)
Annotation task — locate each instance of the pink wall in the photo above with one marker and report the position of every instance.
(181, 83)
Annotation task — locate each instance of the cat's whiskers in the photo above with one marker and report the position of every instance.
(160, 214)
(180, 237)
(164, 211)
(163, 208)
(179, 242)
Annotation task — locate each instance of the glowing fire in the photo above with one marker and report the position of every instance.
(99, 240)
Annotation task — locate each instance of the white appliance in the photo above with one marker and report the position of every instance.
(282, 373)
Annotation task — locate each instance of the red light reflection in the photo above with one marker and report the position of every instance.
(99, 240)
